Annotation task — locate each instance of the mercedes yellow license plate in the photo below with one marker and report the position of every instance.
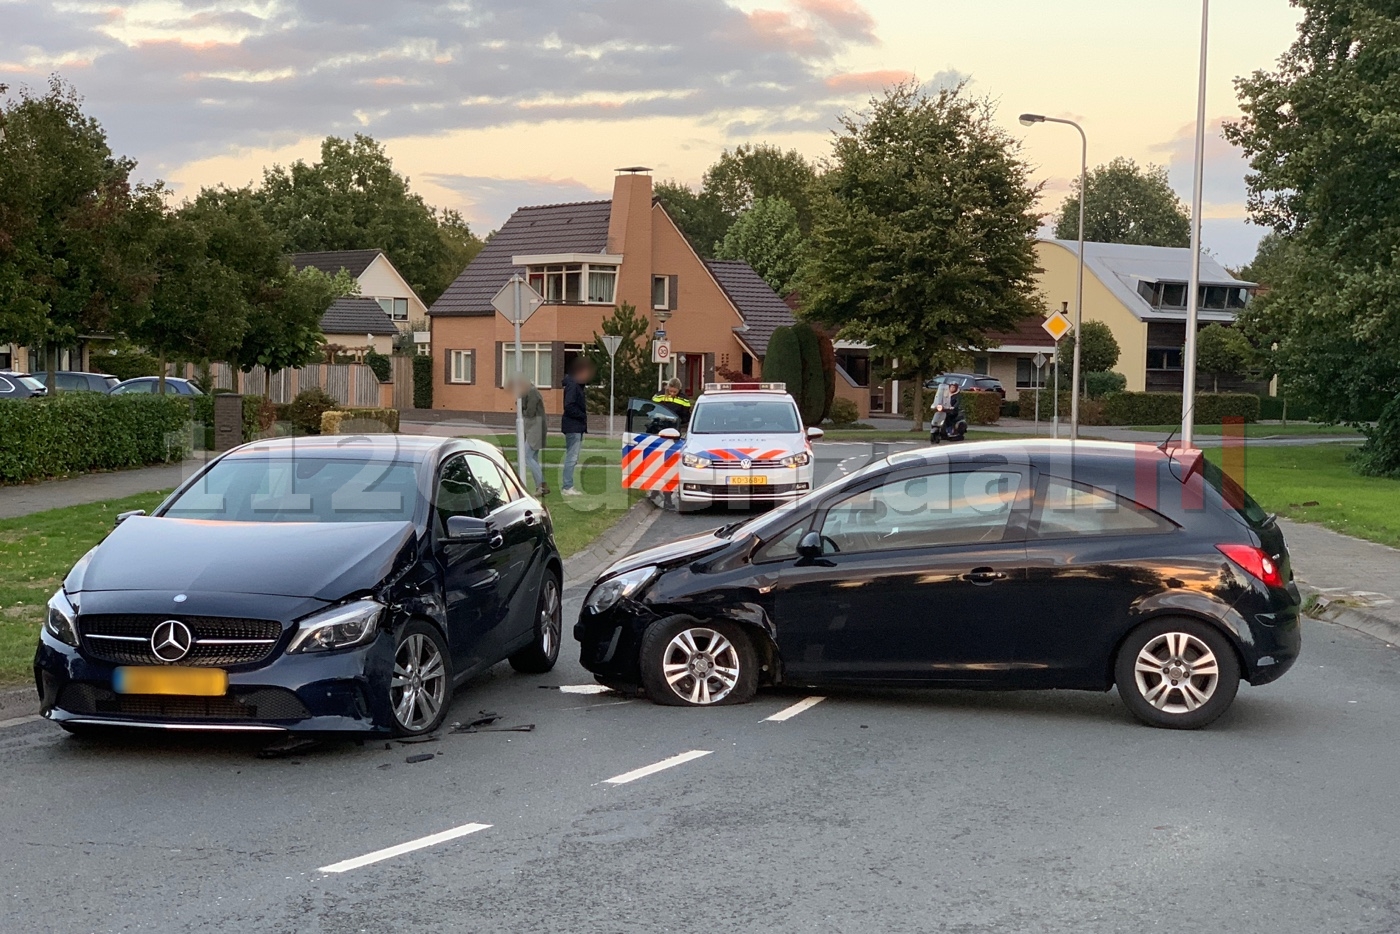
(748, 481)
(191, 682)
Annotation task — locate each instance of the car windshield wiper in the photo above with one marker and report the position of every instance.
(725, 531)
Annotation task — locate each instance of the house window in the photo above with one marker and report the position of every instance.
(746, 365)
(1173, 295)
(1028, 377)
(396, 308)
(602, 284)
(461, 366)
(1164, 358)
(574, 283)
(982, 366)
(660, 292)
(537, 363)
(856, 364)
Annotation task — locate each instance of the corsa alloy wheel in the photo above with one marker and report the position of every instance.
(701, 665)
(419, 687)
(1176, 672)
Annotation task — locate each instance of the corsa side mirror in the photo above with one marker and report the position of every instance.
(123, 516)
(810, 547)
(467, 530)
(670, 434)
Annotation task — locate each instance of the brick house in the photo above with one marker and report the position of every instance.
(586, 259)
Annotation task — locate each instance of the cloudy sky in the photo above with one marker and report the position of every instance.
(488, 104)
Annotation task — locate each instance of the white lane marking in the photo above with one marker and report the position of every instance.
(402, 848)
(584, 689)
(19, 721)
(787, 713)
(661, 766)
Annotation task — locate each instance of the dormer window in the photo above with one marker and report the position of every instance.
(572, 279)
(1172, 295)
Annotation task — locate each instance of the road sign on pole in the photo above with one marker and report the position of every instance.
(661, 352)
(1057, 325)
(516, 301)
(610, 343)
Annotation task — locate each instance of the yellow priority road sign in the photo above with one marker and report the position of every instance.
(1057, 325)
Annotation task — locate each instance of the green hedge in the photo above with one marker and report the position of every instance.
(1164, 408)
(422, 382)
(82, 431)
(980, 408)
(359, 421)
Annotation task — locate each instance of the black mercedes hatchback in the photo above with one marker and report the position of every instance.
(338, 585)
(996, 565)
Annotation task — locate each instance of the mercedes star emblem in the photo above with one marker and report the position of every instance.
(171, 641)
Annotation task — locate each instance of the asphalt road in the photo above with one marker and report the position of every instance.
(869, 811)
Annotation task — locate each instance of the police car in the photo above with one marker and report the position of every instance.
(744, 444)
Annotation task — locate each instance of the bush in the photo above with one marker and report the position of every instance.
(305, 411)
(1010, 409)
(844, 412)
(359, 421)
(81, 431)
(982, 408)
(1379, 456)
(422, 382)
(1164, 408)
(1101, 383)
(1271, 408)
(382, 366)
(812, 397)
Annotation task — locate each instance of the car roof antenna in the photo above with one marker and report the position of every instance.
(1163, 446)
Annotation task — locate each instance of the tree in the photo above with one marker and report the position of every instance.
(1322, 134)
(1100, 351)
(1127, 204)
(749, 173)
(1222, 351)
(924, 238)
(766, 237)
(353, 199)
(635, 374)
(697, 214)
(72, 227)
(284, 325)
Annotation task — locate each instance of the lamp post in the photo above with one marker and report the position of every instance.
(1188, 363)
(1031, 120)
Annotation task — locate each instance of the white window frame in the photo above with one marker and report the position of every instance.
(454, 371)
(530, 353)
(560, 264)
(391, 307)
(665, 303)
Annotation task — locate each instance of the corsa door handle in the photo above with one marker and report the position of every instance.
(984, 576)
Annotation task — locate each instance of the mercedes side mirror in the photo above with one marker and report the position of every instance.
(670, 434)
(810, 547)
(123, 516)
(467, 529)
(815, 433)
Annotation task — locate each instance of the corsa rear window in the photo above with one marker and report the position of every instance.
(1235, 495)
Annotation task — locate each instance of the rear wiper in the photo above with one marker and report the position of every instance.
(725, 531)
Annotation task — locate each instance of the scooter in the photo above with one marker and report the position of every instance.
(948, 421)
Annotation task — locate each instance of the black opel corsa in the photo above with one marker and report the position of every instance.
(994, 565)
(339, 585)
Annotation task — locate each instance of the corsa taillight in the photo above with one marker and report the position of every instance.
(1256, 562)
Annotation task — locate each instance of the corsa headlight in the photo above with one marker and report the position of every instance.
(608, 592)
(800, 459)
(337, 627)
(694, 460)
(61, 621)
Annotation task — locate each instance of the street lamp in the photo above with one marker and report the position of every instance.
(1188, 376)
(1032, 120)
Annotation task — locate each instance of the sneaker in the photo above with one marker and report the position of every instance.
(543, 490)
(570, 491)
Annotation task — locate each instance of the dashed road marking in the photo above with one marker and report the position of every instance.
(402, 848)
(661, 766)
(787, 713)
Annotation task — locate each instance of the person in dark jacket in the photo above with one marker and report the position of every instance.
(575, 421)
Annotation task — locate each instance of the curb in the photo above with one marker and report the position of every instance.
(18, 702)
(1353, 614)
(583, 566)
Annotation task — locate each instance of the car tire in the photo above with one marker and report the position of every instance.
(420, 686)
(689, 663)
(541, 654)
(1177, 673)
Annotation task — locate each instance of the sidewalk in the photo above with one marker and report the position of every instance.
(92, 488)
(1356, 583)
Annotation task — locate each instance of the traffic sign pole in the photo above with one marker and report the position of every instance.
(516, 282)
(610, 343)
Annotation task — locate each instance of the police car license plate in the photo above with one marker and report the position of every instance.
(751, 480)
(192, 682)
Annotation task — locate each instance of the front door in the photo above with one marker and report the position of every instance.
(516, 519)
(922, 578)
(471, 571)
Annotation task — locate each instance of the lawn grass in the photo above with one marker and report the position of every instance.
(1257, 430)
(1283, 479)
(36, 552)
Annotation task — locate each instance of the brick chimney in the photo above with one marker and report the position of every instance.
(629, 234)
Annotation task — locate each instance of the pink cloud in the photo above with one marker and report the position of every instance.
(868, 80)
(844, 17)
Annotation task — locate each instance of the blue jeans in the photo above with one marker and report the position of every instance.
(572, 443)
(532, 463)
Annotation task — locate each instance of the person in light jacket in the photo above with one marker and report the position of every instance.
(536, 431)
(575, 421)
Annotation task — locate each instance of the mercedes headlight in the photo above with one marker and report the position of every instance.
(800, 459)
(606, 593)
(61, 621)
(694, 460)
(338, 627)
